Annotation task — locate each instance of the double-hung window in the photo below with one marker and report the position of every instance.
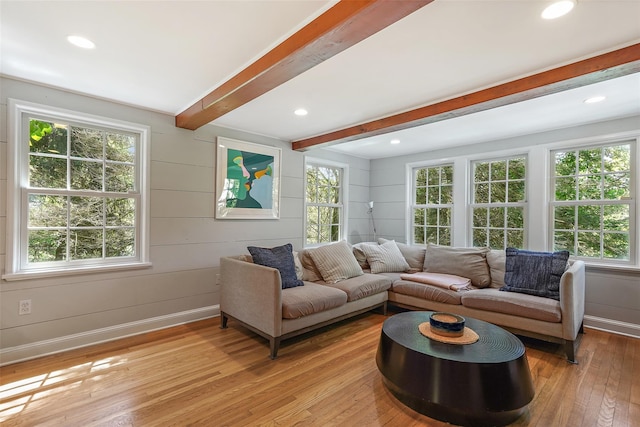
(77, 192)
(324, 202)
(593, 204)
(498, 202)
(432, 205)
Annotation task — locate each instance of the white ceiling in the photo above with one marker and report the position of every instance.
(165, 55)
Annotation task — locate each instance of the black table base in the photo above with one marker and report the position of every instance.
(486, 383)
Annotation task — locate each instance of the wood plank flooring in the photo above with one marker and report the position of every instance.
(200, 375)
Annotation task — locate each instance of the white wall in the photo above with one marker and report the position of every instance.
(186, 242)
(612, 297)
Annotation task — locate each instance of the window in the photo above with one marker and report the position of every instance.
(324, 219)
(593, 201)
(77, 192)
(499, 202)
(432, 205)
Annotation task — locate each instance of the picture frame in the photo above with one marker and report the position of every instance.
(247, 180)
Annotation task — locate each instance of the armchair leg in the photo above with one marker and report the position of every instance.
(581, 330)
(274, 345)
(570, 348)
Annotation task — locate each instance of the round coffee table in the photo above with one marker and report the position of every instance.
(484, 383)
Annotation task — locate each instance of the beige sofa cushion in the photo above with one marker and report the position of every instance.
(360, 256)
(427, 292)
(523, 305)
(362, 286)
(496, 260)
(310, 298)
(441, 280)
(310, 272)
(335, 262)
(465, 262)
(385, 258)
(413, 254)
(298, 264)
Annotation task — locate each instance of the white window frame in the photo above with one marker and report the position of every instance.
(414, 205)
(524, 204)
(344, 193)
(634, 211)
(17, 267)
(539, 193)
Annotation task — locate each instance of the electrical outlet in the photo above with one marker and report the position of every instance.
(25, 307)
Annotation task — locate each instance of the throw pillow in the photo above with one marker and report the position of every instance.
(335, 262)
(280, 258)
(385, 258)
(534, 273)
(465, 262)
(414, 254)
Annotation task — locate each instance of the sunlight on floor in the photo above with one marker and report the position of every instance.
(17, 395)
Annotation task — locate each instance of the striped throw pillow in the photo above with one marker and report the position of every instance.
(335, 262)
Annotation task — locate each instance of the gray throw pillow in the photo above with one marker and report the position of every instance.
(534, 273)
(280, 258)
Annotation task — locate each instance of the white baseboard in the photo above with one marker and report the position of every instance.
(613, 326)
(84, 339)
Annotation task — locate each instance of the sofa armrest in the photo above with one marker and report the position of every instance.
(572, 290)
(251, 293)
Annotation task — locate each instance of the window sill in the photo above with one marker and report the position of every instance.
(40, 274)
(608, 268)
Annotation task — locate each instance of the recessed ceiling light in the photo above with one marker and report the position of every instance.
(558, 9)
(81, 42)
(595, 99)
(301, 112)
(395, 141)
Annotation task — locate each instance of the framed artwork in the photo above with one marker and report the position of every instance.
(247, 180)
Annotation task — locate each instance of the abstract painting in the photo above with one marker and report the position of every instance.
(248, 180)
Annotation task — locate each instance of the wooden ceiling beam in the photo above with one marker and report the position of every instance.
(599, 68)
(340, 27)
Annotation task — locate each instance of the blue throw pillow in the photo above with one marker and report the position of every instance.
(281, 258)
(534, 273)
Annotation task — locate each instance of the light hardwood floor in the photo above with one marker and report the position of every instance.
(198, 374)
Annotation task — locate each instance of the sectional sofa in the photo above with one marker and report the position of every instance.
(337, 281)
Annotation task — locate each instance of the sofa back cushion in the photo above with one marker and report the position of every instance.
(360, 255)
(298, 265)
(496, 259)
(465, 262)
(335, 262)
(310, 272)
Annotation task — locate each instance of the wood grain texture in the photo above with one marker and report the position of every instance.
(610, 65)
(200, 375)
(340, 27)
